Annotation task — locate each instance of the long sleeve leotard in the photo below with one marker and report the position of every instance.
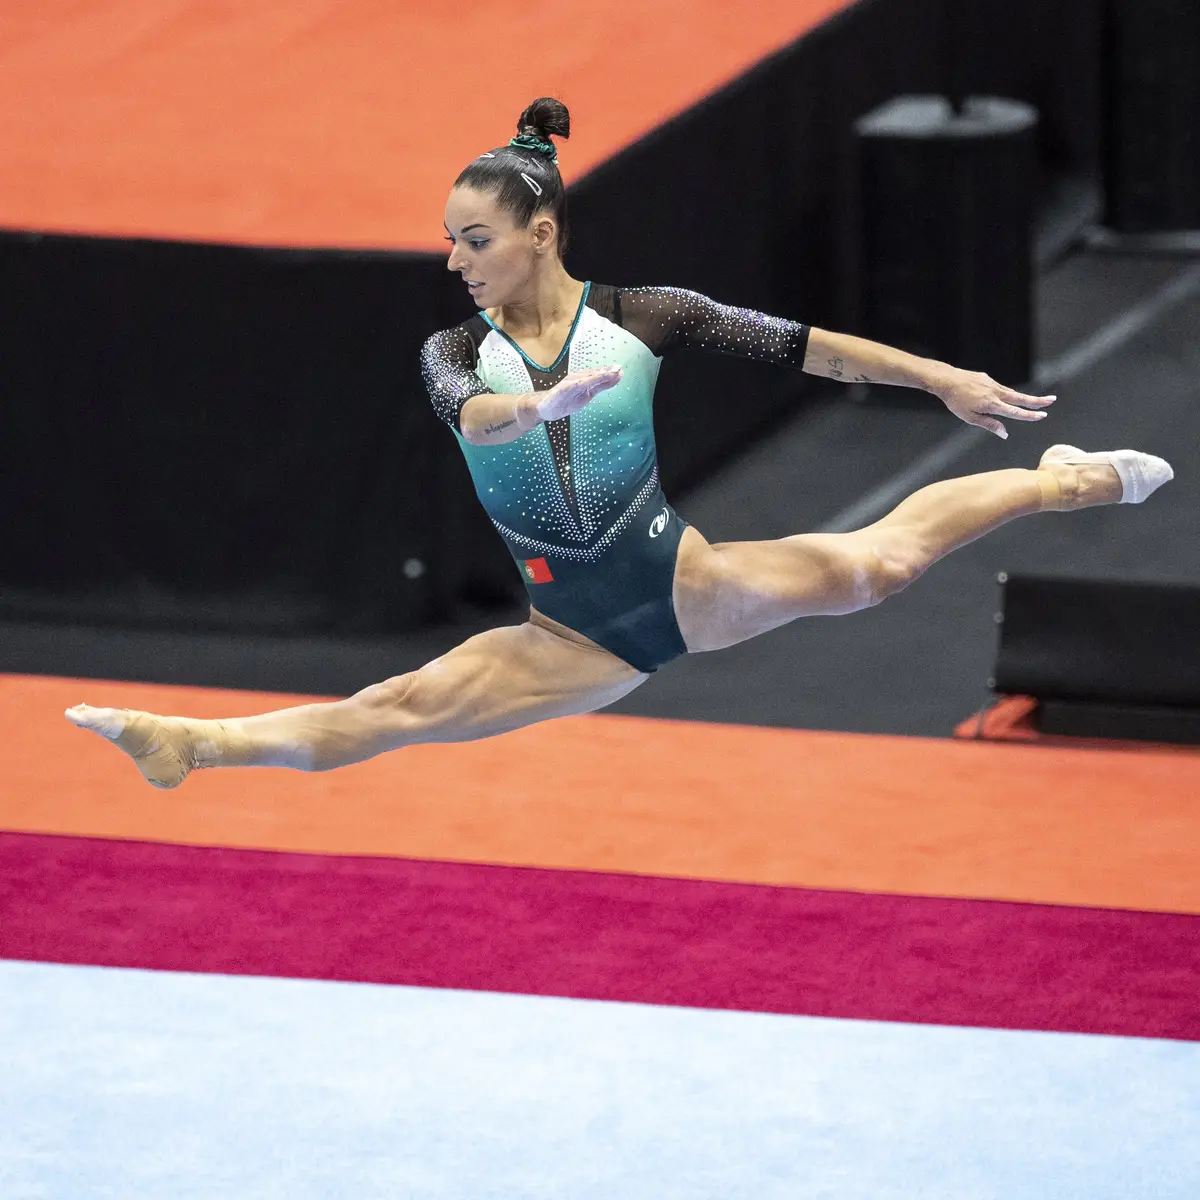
(565, 494)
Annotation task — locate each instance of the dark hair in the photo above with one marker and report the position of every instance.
(525, 180)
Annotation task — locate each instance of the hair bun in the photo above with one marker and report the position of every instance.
(544, 118)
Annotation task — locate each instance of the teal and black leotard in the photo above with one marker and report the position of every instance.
(578, 500)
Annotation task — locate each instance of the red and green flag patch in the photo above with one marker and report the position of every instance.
(537, 570)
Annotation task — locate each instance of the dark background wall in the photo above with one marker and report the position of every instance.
(208, 436)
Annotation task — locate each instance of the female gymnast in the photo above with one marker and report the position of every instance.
(548, 389)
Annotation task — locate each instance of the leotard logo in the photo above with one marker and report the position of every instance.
(659, 523)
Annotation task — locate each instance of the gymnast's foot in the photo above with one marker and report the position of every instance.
(163, 748)
(1109, 477)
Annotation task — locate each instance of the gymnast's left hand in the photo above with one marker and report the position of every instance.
(979, 400)
(576, 391)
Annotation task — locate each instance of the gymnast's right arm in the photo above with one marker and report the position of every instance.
(464, 401)
(487, 418)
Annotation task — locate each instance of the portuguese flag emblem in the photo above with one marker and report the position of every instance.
(537, 571)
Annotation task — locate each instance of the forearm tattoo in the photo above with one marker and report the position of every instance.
(836, 367)
(501, 425)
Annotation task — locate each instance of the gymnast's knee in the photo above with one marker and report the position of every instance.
(890, 564)
(379, 718)
(394, 702)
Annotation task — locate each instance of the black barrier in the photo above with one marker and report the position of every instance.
(210, 436)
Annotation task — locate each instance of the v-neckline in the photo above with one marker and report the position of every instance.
(587, 287)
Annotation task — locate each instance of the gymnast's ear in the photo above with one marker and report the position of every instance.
(545, 232)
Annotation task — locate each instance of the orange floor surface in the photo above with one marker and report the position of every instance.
(1105, 828)
(323, 123)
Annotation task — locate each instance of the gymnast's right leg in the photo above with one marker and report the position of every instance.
(493, 683)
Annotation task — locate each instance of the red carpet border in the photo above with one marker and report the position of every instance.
(597, 936)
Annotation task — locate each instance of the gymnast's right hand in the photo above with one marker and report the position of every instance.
(575, 391)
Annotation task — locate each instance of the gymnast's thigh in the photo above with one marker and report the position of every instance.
(728, 592)
(504, 679)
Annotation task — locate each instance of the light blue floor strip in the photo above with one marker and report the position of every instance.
(144, 1085)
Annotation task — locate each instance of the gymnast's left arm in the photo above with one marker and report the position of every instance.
(971, 396)
(670, 318)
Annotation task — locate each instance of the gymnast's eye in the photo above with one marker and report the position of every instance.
(474, 243)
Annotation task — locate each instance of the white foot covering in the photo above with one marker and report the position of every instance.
(1141, 474)
(160, 747)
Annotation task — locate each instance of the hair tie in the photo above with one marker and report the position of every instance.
(530, 141)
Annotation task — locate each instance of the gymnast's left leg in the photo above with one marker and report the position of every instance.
(494, 682)
(729, 592)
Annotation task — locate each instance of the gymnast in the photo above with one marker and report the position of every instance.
(548, 389)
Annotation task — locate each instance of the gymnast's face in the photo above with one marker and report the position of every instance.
(497, 259)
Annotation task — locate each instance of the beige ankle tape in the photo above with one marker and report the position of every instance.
(220, 744)
(1052, 497)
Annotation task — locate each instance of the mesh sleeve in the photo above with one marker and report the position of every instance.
(670, 318)
(448, 367)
